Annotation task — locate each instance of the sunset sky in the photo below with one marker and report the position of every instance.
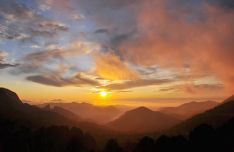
(126, 52)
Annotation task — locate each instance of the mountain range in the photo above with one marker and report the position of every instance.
(189, 109)
(13, 109)
(214, 117)
(139, 120)
(142, 120)
(87, 111)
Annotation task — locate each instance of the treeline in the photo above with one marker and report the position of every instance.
(15, 138)
(204, 138)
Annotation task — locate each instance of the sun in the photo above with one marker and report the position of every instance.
(103, 93)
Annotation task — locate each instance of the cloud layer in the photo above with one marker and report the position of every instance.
(122, 44)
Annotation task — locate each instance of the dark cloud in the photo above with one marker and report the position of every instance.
(3, 61)
(87, 80)
(119, 38)
(100, 31)
(6, 65)
(58, 81)
(147, 70)
(228, 4)
(137, 83)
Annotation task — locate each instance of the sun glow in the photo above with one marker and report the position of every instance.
(103, 93)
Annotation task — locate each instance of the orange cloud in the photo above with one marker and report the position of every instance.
(137, 83)
(109, 66)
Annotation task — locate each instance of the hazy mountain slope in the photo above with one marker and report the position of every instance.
(90, 112)
(142, 120)
(188, 110)
(214, 117)
(11, 108)
(63, 112)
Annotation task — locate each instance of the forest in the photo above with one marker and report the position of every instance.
(14, 137)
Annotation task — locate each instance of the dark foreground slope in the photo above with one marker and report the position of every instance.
(188, 110)
(214, 117)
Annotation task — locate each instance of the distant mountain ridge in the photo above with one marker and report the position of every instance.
(142, 120)
(13, 109)
(189, 109)
(214, 117)
(86, 111)
(63, 112)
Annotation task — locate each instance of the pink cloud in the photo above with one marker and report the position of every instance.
(170, 39)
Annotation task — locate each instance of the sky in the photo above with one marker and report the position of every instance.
(151, 52)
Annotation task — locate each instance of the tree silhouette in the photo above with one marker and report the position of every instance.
(112, 146)
(146, 144)
(203, 138)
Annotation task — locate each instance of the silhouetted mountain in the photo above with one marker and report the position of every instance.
(214, 117)
(142, 120)
(63, 112)
(231, 98)
(97, 114)
(188, 110)
(13, 109)
(8, 97)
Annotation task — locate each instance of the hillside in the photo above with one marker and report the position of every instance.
(87, 111)
(142, 120)
(214, 117)
(188, 110)
(13, 109)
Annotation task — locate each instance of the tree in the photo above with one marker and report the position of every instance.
(112, 146)
(146, 144)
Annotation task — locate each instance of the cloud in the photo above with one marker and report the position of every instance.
(109, 66)
(3, 61)
(209, 86)
(228, 4)
(52, 66)
(100, 31)
(191, 88)
(137, 83)
(59, 5)
(6, 65)
(40, 60)
(200, 37)
(20, 22)
(59, 81)
(193, 38)
(169, 33)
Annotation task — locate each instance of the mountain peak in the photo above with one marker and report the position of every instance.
(142, 120)
(6, 95)
(142, 109)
